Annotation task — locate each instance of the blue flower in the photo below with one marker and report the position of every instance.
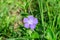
(30, 22)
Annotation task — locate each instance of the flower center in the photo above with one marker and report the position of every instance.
(30, 22)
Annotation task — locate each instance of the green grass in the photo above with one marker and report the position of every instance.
(13, 11)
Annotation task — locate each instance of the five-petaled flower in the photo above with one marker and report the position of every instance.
(30, 22)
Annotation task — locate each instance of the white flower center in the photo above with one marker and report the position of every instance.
(30, 22)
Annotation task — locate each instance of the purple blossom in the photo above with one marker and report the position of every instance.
(30, 22)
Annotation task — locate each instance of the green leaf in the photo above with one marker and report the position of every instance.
(35, 35)
(50, 34)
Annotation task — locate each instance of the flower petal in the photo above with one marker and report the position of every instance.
(35, 21)
(25, 20)
(30, 17)
(26, 25)
(32, 27)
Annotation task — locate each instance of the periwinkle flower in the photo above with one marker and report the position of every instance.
(30, 22)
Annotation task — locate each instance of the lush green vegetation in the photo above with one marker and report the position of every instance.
(12, 13)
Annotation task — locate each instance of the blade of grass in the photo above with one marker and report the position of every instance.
(40, 2)
(41, 10)
(48, 12)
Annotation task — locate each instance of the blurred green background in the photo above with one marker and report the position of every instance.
(12, 13)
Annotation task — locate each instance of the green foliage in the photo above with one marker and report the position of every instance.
(13, 11)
